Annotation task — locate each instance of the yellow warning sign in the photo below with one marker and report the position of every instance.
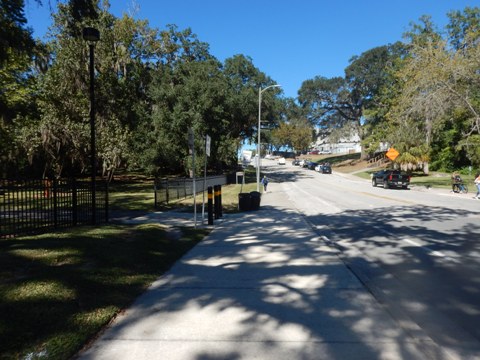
(392, 154)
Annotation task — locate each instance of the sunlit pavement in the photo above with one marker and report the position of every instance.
(262, 285)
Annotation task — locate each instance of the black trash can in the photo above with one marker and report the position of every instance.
(244, 202)
(255, 197)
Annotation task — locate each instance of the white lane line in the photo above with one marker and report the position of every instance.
(432, 252)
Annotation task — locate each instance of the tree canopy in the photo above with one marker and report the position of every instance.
(420, 96)
(153, 86)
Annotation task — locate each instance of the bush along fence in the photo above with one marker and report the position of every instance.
(179, 188)
(33, 206)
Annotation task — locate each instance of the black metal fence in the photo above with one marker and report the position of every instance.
(32, 206)
(179, 188)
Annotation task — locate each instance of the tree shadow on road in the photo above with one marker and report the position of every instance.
(430, 260)
(263, 283)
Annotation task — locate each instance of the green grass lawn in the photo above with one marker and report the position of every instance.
(57, 290)
(132, 195)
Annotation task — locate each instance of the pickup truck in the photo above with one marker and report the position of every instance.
(390, 179)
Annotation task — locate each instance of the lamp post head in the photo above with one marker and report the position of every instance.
(91, 34)
(268, 87)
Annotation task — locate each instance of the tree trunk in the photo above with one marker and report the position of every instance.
(426, 168)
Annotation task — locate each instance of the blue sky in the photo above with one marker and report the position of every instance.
(289, 40)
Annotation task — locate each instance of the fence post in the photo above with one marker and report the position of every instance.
(155, 193)
(106, 202)
(167, 190)
(55, 203)
(74, 202)
(178, 188)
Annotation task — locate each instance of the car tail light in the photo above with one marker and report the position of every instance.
(390, 177)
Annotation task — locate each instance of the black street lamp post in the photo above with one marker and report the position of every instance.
(92, 35)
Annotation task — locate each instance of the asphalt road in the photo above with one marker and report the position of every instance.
(417, 251)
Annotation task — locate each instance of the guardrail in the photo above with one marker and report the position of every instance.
(179, 188)
(32, 206)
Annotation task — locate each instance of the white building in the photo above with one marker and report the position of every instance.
(343, 145)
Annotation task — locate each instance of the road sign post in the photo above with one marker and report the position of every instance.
(208, 141)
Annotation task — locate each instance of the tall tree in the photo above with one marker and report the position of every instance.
(17, 49)
(334, 103)
(296, 134)
(187, 91)
(244, 82)
(61, 135)
(439, 85)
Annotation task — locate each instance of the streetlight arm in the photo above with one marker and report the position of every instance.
(268, 87)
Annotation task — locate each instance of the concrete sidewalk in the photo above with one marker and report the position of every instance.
(262, 285)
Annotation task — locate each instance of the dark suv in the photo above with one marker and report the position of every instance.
(326, 169)
(391, 178)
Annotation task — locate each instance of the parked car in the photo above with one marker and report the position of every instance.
(311, 165)
(281, 161)
(296, 162)
(304, 163)
(391, 178)
(313, 152)
(326, 169)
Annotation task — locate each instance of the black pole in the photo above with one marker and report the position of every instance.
(220, 210)
(107, 215)
(92, 35)
(210, 206)
(92, 134)
(217, 203)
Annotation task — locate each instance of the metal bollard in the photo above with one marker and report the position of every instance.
(220, 210)
(216, 193)
(210, 205)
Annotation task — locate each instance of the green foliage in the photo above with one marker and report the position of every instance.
(464, 27)
(421, 96)
(17, 86)
(15, 39)
(471, 146)
(437, 106)
(209, 98)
